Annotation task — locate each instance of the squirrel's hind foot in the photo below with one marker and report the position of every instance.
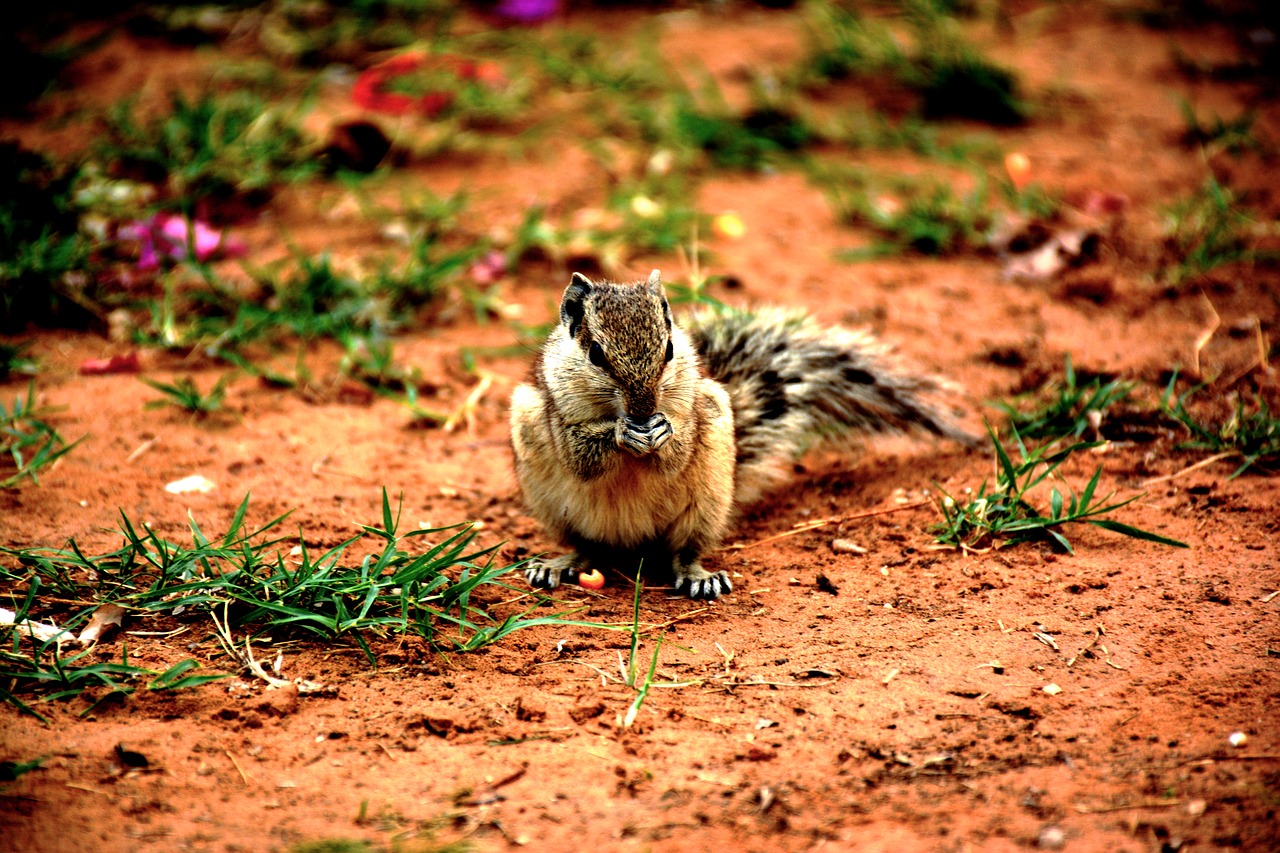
(549, 574)
(701, 585)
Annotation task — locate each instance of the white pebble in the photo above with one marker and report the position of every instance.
(847, 546)
(1052, 838)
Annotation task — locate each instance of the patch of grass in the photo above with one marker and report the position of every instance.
(875, 131)
(28, 441)
(225, 147)
(311, 299)
(44, 260)
(45, 671)
(371, 360)
(1071, 408)
(1004, 515)
(843, 45)
(14, 360)
(920, 214)
(11, 771)
(1209, 230)
(580, 61)
(1250, 432)
(184, 394)
(262, 589)
(769, 130)
(646, 684)
(950, 76)
(1234, 136)
(311, 35)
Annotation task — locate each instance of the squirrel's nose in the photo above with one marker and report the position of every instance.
(641, 408)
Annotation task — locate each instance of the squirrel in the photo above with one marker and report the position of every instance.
(638, 437)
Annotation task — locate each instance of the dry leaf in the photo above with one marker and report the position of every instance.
(104, 619)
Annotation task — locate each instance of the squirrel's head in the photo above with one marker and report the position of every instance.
(624, 333)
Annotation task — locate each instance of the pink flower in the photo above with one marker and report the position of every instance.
(490, 268)
(129, 363)
(168, 237)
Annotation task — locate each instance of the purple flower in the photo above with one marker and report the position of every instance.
(527, 11)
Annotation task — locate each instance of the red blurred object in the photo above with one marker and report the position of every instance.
(115, 364)
(372, 87)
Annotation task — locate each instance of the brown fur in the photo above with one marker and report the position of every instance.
(639, 438)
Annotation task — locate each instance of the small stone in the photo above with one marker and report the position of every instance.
(1051, 838)
(1052, 689)
(847, 546)
(195, 484)
(1238, 739)
(1195, 808)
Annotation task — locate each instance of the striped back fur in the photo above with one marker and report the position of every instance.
(792, 382)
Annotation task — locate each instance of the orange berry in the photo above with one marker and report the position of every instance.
(591, 580)
(1018, 165)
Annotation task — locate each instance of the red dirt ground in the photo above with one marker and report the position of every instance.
(904, 710)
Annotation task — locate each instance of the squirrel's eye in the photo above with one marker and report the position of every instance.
(596, 354)
(671, 351)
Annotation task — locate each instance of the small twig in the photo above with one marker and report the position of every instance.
(321, 467)
(1096, 637)
(175, 632)
(86, 789)
(1266, 599)
(1259, 756)
(1158, 804)
(1260, 359)
(466, 413)
(890, 676)
(1202, 340)
(48, 599)
(389, 753)
(661, 626)
(692, 716)
(513, 776)
(141, 449)
(806, 526)
(1203, 463)
(732, 685)
(728, 660)
(239, 769)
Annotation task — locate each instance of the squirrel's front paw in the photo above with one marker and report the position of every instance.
(705, 588)
(550, 575)
(641, 438)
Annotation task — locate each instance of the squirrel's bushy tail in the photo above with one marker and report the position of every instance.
(791, 382)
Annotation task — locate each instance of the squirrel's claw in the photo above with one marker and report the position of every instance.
(660, 432)
(642, 439)
(547, 576)
(635, 443)
(705, 589)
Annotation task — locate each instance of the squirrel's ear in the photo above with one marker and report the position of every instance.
(655, 287)
(571, 307)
